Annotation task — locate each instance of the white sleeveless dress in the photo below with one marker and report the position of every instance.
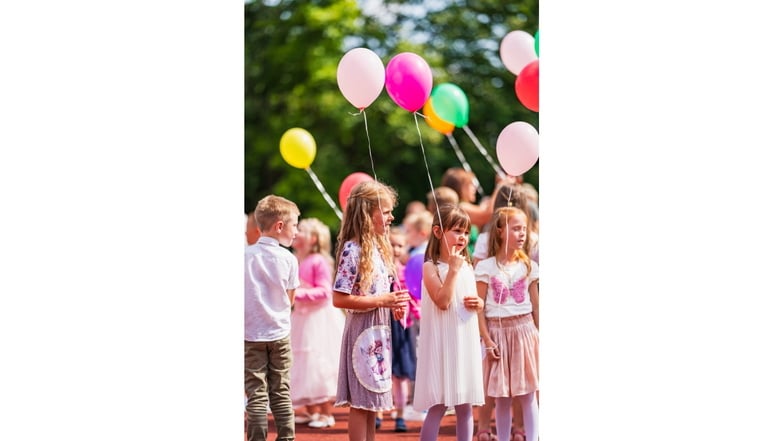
(449, 352)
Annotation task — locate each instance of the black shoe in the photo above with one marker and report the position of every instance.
(378, 422)
(400, 425)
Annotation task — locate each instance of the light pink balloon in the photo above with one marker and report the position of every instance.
(409, 81)
(517, 148)
(517, 50)
(361, 77)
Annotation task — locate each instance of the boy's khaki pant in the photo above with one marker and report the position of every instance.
(267, 376)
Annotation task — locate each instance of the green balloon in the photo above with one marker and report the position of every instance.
(450, 104)
(536, 42)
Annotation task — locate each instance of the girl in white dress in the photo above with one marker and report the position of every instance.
(449, 354)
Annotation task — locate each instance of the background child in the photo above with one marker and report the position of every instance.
(508, 281)
(417, 229)
(365, 271)
(316, 326)
(271, 275)
(449, 359)
(403, 338)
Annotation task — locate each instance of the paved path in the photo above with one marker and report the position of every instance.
(386, 433)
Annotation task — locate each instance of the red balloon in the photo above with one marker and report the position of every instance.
(348, 184)
(527, 86)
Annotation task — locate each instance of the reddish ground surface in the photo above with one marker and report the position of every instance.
(385, 433)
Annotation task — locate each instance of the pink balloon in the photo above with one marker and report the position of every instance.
(361, 77)
(517, 50)
(517, 148)
(409, 81)
(348, 184)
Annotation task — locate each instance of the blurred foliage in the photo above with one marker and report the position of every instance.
(292, 50)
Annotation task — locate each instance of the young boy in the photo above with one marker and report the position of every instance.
(417, 228)
(271, 275)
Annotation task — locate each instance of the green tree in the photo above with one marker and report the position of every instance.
(292, 49)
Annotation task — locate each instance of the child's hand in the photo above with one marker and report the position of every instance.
(493, 351)
(397, 299)
(473, 302)
(398, 313)
(456, 260)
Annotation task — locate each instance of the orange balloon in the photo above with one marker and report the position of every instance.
(443, 127)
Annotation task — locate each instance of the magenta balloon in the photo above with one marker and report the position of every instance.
(413, 273)
(361, 77)
(409, 81)
(517, 148)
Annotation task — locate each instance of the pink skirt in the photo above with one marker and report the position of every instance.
(517, 372)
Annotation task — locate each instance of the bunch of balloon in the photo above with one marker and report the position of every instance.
(298, 149)
(450, 104)
(520, 55)
(518, 147)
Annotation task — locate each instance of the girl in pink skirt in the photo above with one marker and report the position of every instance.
(508, 281)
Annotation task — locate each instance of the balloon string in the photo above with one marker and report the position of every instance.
(427, 168)
(482, 150)
(370, 152)
(324, 192)
(463, 161)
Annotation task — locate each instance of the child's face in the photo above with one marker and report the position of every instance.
(514, 232)
(286, 231)
(382, 217)
(303, 241)
(398, 244)
(457, 237)
(413, 236)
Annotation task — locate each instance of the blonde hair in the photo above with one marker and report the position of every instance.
(357, 225)
(451, 216)
(500, 220)
(320, 231)
(271, 209)
(419, 221)
(514, 195)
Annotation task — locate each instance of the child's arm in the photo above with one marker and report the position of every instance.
(490, 346)
(290, 293)
(320, 276)
(533, 291)
(366, 303)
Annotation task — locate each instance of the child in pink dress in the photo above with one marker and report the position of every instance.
(316, 326)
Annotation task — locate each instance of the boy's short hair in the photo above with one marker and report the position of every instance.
(441, 196)
(271, 209)
(421, 221)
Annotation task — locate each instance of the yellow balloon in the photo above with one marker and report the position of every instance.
(443, 127)
(298, 147)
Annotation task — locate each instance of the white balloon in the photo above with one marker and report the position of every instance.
(361, 76)
(517, 148)
(517, 50)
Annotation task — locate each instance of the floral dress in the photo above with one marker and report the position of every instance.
(365, 373)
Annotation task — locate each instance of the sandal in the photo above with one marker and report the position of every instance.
(518, 435)
(485, 435)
